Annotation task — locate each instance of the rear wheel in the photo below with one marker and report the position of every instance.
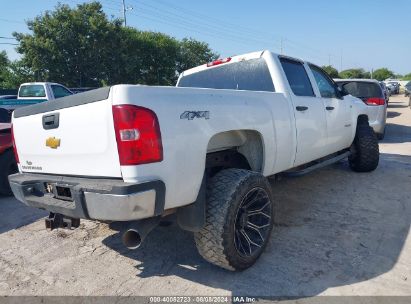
(364, 150)
(7, 162)
(239, 219)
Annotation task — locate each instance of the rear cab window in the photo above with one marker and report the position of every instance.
(297, 77)
(362, 89)
(249, 75)
(32, 90)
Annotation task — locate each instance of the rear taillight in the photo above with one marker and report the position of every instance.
(5, 140)
(218, 61)
(138, 135)
(375, 101)
(16, 156)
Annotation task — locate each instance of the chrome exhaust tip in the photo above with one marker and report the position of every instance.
(132, 239)
(137, 231)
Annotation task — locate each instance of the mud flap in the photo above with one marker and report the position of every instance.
(192, 217)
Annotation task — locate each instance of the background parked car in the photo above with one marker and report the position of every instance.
(8, 96)
(407, 89)
(394, 87)
(386, 91)
(34, 92)
(8, 163)
(371, 93)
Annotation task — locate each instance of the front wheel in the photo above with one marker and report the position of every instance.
(239, 219)
(365, 152)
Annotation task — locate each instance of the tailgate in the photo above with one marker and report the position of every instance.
(73, 135)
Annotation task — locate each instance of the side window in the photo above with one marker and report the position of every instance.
(59, 91)
(297, 77)
(324, 83)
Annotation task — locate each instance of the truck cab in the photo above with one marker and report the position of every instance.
(32, 93)
(42, 91)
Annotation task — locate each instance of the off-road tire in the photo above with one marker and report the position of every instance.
(225, 193)
(8, 166)
(365, 152)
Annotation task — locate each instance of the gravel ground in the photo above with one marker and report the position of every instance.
(339, 233)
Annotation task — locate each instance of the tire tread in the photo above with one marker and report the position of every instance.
(211, 240)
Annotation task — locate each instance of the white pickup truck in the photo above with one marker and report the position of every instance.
(202, 150)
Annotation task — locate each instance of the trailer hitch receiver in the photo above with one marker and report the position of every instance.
(56, 220)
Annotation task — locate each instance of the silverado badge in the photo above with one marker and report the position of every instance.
(53, 142)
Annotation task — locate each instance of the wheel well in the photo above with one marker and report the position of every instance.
(242, 149)
(362, 118)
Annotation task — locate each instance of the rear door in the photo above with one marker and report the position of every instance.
(73, 135)
(309, 113)
(338, 112)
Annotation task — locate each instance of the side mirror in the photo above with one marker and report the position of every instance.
(342, 92)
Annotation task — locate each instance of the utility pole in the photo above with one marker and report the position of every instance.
(124, 12)
(372, 72)
(282, 46)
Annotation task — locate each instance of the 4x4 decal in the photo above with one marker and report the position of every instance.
(190, 115)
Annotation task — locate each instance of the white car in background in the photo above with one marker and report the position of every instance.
(371, 93)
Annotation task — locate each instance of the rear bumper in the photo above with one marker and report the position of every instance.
(379, 123)
(99, 199)
(378, 126)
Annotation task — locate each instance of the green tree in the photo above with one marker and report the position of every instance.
(382, 74)
(407, 77)
(82, 47)
(4, 68)
(4, 60)
(17, 73)
(354, 73)
(67, 45)
(12, 73)
(193, 53)
(331, 71)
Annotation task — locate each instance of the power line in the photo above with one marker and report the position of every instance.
(189, 20)
(234, 29)
(11, 21)
(194, 21)
(214, 20)
(190, 29)
(179, 21)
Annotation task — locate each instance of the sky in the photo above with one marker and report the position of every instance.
(346, 34)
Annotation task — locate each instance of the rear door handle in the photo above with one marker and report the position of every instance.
(330, 108)
(301, 108)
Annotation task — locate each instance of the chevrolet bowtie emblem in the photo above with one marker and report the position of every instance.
(53, 142)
